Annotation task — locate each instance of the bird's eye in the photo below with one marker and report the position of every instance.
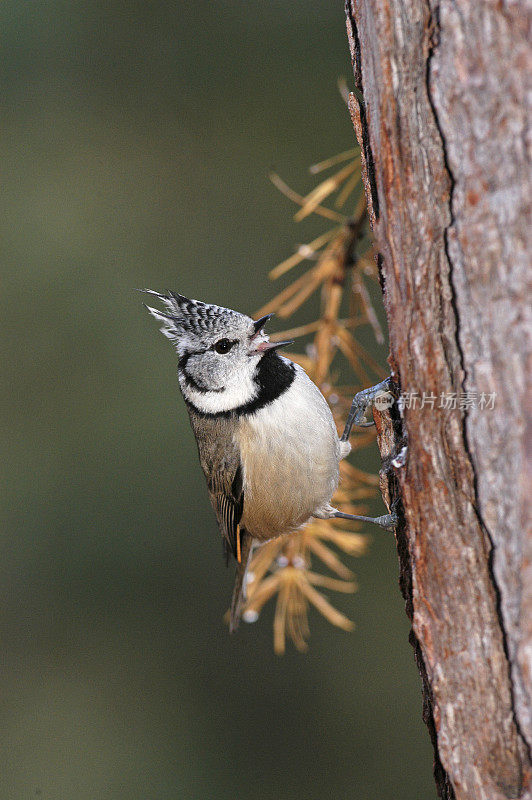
(223, 345)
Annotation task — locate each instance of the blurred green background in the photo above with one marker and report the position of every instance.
(136, 140)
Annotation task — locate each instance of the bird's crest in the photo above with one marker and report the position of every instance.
(184, 316)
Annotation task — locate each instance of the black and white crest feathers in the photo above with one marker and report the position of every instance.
(184, 316)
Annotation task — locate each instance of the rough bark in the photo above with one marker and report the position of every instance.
(442, 124)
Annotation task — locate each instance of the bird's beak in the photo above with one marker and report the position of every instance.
(264, 347)
(259, 340)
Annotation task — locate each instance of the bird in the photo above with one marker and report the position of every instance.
(267, 442)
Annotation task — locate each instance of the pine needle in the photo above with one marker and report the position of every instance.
(323, 190)
(300, 200)
(301, 255)
(337, 159)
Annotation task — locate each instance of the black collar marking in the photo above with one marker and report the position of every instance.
(193, 384)
(273, 377)
(184, 358)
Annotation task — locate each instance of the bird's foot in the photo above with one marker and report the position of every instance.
(387, 521)
(381, 396)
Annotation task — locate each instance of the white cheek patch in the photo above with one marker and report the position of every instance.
(240, 390)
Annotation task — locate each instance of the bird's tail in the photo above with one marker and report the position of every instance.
(240, 580)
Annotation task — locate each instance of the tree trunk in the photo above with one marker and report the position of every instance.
(441, 120)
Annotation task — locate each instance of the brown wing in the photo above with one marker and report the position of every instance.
(227, 498)
(228, 507)
(220, 461)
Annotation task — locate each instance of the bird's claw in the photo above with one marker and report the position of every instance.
(381, 396)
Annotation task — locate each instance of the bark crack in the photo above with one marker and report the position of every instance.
(359, 95)
(434, 41)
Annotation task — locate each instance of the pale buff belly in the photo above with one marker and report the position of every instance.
(290, 454)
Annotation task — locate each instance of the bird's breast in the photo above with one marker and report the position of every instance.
(290, 452)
